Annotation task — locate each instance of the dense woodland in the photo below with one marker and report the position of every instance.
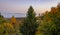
(47, 23)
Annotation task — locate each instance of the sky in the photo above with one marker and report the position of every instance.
(21, 6)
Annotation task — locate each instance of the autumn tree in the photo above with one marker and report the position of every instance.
(53, 10)
(5, 28)
(51, 22)
(8, 28)
(48, 26)
(13, 20)
(30, 25)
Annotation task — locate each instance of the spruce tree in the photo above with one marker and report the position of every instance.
(29, 26)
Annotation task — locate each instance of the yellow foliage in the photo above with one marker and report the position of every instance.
(8, 26)
(1, 28)
(13, 19)
(38, 33)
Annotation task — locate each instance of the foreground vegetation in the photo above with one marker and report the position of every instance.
(47, 23)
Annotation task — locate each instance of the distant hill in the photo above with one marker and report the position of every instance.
(16, 15)
(9, 15)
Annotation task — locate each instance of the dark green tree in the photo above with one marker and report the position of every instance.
(2, 20)
(30, 24)
(58, 19)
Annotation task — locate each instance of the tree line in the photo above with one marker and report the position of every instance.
(47, 23)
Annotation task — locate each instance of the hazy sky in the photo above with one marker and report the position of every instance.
(21, 6)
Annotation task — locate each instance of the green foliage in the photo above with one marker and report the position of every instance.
(51, 23)
(46, 24)
(1, 29)
(5, 27)
(2, 20)
(29, 26)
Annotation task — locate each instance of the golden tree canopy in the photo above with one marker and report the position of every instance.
(13, 19)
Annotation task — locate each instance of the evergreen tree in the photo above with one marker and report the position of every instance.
(2, 20)
(29, 27)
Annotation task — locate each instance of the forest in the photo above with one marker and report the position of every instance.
(44, 24)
